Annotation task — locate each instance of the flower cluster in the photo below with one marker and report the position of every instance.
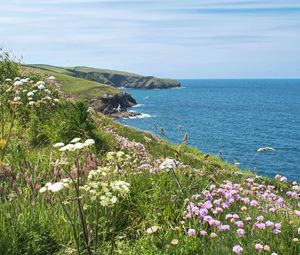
(100, 187)
(27, 92)
(245, 209)
(74, 145)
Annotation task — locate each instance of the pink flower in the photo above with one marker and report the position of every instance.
(239, 224)
(260, 218)
(276, 231)
(191, 232)
(240, 232)
(253, 203)
(228, 216)
(237, 249)
(203, 232)
(297, 213)
(269, 224)
(260, 225)
(224, 227)
(272, 210)
(277, 225)
(259, 247)
(248, 218)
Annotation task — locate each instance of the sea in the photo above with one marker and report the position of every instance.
(229, 118)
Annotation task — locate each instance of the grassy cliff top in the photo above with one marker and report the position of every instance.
(78, 87)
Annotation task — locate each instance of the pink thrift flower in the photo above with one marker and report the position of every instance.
(191, 232)
(237, 249)
(254, 203)
(240, 232)
(203, 232)
(260, 218)
(276, 231)
(260, 225)
(272, 210)
(248, 218)
(224, 227)
(259, 247)
(297, 213)
(269, 224)
(239, 224)
(277, 225)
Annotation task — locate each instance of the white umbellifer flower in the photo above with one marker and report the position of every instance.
(78, 146)
(75, 140)
(31, 103)
(30, 94)
(55, 187)
(43, 189)
(58, 145)
(68, 147)
(56, 100)
(41, 84)
(8, 80)
(17, 92)
(51, 78)
(120, 186)
(17, 98)
(18, 83)
(168, 164)
(89, 142)
(24, 80)
(24, 90)
(17, 79)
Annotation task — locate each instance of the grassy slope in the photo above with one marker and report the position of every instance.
(80, 88)
(155, 199)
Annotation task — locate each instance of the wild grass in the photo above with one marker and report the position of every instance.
(171, 189)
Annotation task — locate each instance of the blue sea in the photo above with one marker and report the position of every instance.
(230, 118)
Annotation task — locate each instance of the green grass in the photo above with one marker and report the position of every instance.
(32, 223)
(77, 87)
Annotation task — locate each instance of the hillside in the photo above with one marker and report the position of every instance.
(114, 78)
(102, 97)
(73, 181)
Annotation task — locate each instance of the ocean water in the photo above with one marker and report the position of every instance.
(230, 118)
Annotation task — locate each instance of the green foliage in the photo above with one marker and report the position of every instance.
(8, 66)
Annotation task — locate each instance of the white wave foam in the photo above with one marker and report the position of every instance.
(137, 105)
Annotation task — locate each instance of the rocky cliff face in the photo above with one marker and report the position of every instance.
(127, 80)
(112, 104)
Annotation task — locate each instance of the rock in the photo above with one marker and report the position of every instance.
(112, 104)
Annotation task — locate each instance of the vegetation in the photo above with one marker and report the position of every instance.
(72, 181)
(80, 88)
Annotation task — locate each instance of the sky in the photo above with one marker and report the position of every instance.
(165, 38)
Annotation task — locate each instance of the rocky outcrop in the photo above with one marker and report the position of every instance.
(126, 80)
(112, 104)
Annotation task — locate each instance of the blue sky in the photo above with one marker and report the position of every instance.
(166, 38)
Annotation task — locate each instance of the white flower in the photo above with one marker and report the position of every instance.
(68, 147)
(89, 142)
(51, 78)
(17, 79)
(168, 164)
(17, 99)
(18, 83)
(56, 100)
(31, 103)
(75, 140)
(30, 94)
(41, 84)
(55, 187)
(8, 80)
(43, 189)
(78, 146)
(153, 229)
(58, 145)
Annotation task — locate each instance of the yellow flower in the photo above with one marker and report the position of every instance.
(2, 144)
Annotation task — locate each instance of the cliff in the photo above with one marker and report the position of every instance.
(122, 79)
(112, 104)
